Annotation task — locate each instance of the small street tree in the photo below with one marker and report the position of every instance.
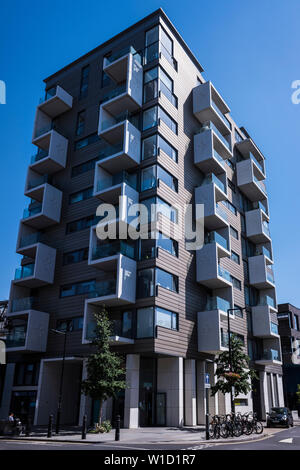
(104, 367)
(298, 394)
(238, 376)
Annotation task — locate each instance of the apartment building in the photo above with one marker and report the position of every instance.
(289, 330)
(135, 117)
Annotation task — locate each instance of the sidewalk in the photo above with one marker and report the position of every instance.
(167, 435)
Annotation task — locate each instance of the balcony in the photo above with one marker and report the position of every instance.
(104, 254)
(29, 331)
(109, 187)
(46, 209)
(120, 336)
(249, 150)
(263, 322)
(56, 102)
(209, 271)
(271, 353)
(249, 180)
(210, 193)
(27, 240)
(41, 271)
(208, 105)
(209, 326)
(266, 251)
(52, 154)
(210, 152)
(127, 73)
(257, 226)
(261, 273)
(221, 239)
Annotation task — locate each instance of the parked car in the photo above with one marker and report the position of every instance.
(280, 416)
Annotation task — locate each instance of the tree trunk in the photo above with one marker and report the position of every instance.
(100, 412)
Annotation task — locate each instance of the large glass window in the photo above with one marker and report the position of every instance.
(78, 288)
(158, 240)
(156, 80)
(151, 175)
(151, 145)
(80, 123)
(167, 244)
(145, 323)
(75, 256)
(145, 283)
(166, 280)
(84, 82)
(166, 318)
(156, 206)
(70, 324)
(26, 373)
(81, 195)
(152, 116)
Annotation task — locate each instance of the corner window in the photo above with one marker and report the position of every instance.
(153, 144)
(84, 83)
(80, 123)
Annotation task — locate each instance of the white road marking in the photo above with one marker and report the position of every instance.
(288, 441)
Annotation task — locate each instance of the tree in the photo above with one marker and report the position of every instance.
(104, 367)
(298, 394)
(239, 375)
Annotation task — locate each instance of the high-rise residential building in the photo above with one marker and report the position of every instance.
(289, 330)
(135, 117)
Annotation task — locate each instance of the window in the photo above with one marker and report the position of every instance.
(151, 146)
(234, 233)
(231, 185)
(157, 81)
(91, 139)
(248, 248)
(84, 167)
(166, 280)
(26, 373)
(167, 244)
(75, 256)
(78, 288)
(296, 322)
(152, 116)
(274, 328)
(148, 246)
(81, 195)
(70, 324)
(236, 283)
(156, 205)
(243, 223)
(81, 224)
(230, 163)
(230, 206)
(84, 84)
(238, 137)
(80, 123)
(166, 318)
(235, 257)
(151, 175)
(238, 312)
(105, 80)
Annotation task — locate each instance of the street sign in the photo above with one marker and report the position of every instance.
(206, 383)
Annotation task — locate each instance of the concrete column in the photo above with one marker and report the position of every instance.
(280, 389)
(213, 400)
(201, 396)
(190, 392)
(264, 397)
(170, 381)
(131, 409)
(6, 397)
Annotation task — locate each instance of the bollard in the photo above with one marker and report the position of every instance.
(118, 425)
(28, 426)
(50, 424)
(83, 432)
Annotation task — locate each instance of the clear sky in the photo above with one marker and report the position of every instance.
(249, 49)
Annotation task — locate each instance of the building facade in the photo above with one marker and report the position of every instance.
(134, 121)
(289, 330)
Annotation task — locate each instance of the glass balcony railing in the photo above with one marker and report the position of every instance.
(218, 133)
(38, 181)
(110, 150)
(267, 300)
(16, 339)
(25, 303)
(260, 205)
(221, 212)
(107, 123)
(218, 157)
(224, 274)
(117, 329)
(266, 229)
(261, 184)
(103, 288)
(270, 275)
(252, 157)
(31, 239)
(217, 303)
(262, 250)
(274, 328)
(127, 50)
(118, 90)
(122, 177)
(220, 114)
(24, 271)
(39, 155)
(271, 355)
(215, 237)
(211, 178)
(114, 248)
(49, 94)
(44, 130)
(29, 212)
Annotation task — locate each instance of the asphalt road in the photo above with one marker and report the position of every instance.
(291, 438)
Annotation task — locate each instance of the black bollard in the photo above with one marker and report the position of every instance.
(50, 425)
(83, 432)
(118, 425)
(28, 426)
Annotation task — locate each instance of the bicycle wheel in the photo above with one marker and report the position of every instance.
(237, 430)
(224, 431)
(248, 429)
(211, 431)
(258, 427)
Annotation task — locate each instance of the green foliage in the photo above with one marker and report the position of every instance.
(240, 376)
(105, 426)
(105, 373)
(298, 394)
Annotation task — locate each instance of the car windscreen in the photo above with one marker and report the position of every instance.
(279, 410)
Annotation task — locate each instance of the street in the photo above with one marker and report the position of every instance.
(287, 439)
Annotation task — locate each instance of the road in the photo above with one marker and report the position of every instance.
(290, 438)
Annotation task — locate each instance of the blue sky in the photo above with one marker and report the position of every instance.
(249, 49)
